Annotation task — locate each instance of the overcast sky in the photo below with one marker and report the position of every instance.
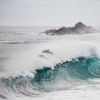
(49, 12)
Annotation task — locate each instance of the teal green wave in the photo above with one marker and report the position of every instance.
(82, 68)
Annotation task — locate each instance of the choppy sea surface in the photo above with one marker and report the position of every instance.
(35, 66)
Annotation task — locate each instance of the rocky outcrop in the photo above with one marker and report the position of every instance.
(79, 28)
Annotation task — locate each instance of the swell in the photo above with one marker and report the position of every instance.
(63, 76)
(69, 72)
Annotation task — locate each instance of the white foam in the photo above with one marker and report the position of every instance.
(64, 48)
(83, 92)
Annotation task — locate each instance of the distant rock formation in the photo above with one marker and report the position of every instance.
(79, 28)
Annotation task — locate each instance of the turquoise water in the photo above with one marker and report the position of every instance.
(64, 75)
(79, 69)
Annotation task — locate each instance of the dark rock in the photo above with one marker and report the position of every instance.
(50, 32)
(79, 28)
(80, 25)
(47, 51)
(41, 56)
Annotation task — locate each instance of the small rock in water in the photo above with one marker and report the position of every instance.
(47, 51)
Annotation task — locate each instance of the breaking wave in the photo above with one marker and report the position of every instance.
(63, 76)
(53, 66)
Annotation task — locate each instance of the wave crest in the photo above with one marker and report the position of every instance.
(64, 75)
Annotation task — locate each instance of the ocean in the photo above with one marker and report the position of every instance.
(36, 66)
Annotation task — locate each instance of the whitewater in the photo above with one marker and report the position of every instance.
(43, 67)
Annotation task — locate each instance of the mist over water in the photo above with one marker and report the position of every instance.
(34, 65)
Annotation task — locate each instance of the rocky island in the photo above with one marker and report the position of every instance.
(79, 28)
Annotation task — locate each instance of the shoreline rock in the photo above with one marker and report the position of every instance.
(79, 28)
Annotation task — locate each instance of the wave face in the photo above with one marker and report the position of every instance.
(81, 68)
(63, 76)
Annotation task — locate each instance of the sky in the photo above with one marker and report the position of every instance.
(49, 12)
